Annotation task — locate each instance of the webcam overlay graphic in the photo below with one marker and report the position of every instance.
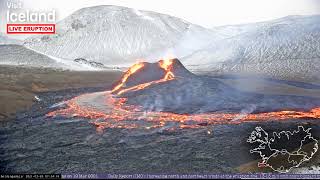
(122, 89)
(26, 21)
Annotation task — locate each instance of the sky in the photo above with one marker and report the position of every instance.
(207, 13)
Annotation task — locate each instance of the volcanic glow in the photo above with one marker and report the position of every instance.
(119, 115)
(114, 112)
(167, 65)
(164, 64)
(130, 71)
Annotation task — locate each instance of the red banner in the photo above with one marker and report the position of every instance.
(31, 28)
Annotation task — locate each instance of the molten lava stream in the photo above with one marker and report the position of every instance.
(164, 64)
(130, 71)
(128, 116)
(114, 112)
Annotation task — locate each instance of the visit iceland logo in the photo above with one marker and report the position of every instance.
(29, 21)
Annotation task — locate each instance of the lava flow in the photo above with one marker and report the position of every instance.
(110, 110)
(164, 64)
(124, 78)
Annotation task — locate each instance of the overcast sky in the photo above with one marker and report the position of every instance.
(207, 13)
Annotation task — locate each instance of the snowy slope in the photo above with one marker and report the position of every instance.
(116, 35)
(4, 39)
(286, 47)
(17, 55)
(234, 30)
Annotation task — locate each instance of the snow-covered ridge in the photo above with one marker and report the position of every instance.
(17, 55)
(115, 35)
(285, 47)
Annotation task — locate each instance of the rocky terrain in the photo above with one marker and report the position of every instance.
(20, 85)
(35, 143)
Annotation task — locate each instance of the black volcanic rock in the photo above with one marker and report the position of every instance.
(179, 70)
(88, 62)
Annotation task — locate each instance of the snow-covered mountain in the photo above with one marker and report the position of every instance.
(286, 47)
(116, 35)
(4, 39)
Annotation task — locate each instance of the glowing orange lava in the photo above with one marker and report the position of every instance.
(114, 112)
(166, 65)
(124, 78)
(122, 115)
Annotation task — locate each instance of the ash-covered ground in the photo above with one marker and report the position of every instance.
(34, 143)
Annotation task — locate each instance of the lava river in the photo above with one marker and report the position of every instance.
(110, 109)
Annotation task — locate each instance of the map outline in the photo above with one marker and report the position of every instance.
(265, 142)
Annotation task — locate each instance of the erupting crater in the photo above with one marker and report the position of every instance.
(143, 74)
(166, 95)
